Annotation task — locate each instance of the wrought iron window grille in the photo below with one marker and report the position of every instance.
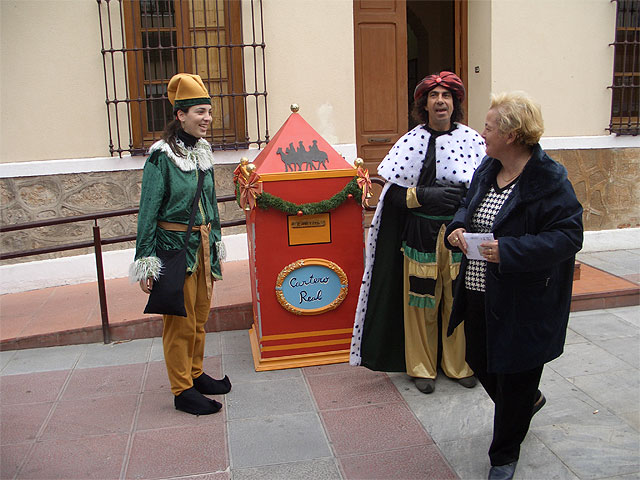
(146, 42)
(625, 102)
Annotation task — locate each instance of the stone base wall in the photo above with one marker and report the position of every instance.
(606, 183)
(28, 199)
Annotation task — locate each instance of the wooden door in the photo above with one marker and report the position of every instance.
(380, 28)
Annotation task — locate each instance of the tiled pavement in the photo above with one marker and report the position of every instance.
(105, 411)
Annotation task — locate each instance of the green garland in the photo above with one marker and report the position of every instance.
(266, 200)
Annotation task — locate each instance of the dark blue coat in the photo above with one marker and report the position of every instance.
(528, 294)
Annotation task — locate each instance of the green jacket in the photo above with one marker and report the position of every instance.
(169, 184)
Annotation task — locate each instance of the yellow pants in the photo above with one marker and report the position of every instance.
(421, 323)
(183, 338)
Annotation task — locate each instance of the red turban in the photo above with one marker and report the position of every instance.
(444, 79)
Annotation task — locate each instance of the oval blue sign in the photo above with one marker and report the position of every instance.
(311, 286)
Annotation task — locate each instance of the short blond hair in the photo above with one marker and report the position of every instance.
(518, 113)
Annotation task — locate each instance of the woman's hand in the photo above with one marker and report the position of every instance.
(146, 285)
(457, 239)
(490, 251)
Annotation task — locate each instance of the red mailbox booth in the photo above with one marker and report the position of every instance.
(305, 236)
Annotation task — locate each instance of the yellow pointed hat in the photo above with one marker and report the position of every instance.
(185, 90)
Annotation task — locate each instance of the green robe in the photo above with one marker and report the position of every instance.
(169, 185)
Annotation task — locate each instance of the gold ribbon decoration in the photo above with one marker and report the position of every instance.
(364, 182)
(250, 188)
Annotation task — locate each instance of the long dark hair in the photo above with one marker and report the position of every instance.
(420, 115)
(170, 132)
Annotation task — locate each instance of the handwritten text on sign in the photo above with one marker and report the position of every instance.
(311, 286)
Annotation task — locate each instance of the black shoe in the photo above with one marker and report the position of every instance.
(539, 403)
(503, 472)
(425, 385)
(210, 386)
(193, 402)
(468, 382)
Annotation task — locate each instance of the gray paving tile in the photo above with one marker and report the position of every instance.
(618, 390)
(235, 342)
(585, 313)
(632, 418)
(574, 337)
(44, 359)
(212, 345)
(631, 476)
(603, 326)
(451, 412)
(626, 349)
(310, 470)
(5, 358)
(617, 262)
(469, 459)
(263, 399)
(157, 353)
(117, 353)
(558, 390)
(585, 359)
(468, 456)
(601, 446)
(240, 368)
(278, 439)
(629, 314)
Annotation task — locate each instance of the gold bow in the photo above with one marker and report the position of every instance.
(250, 188)
(365, 185)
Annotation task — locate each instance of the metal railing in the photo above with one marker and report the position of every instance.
(98, 242)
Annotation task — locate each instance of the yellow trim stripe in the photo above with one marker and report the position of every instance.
(316, 333)
(307, 174)
(294, 346)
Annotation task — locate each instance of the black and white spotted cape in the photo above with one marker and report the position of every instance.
(457, 156)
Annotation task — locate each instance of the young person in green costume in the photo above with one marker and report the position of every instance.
(169, 184)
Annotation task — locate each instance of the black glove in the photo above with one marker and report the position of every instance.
(439, 197)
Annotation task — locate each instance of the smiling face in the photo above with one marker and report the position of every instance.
(440, 108)
(495, 141)
(196, 120)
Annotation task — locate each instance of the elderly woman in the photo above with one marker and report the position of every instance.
(515, 301)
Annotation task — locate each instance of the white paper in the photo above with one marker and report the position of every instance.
(473, 244)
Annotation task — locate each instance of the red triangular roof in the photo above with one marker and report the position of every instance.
(285, 147)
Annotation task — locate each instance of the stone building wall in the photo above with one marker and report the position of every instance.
(28, 199)
(606, 183)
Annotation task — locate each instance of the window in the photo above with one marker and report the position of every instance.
(625, 104)
(146, 42)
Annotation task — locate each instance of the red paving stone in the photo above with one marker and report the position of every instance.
(393, 426)
(31, 387)
(71, 314)
(357, 386)
(421, 462)
(179, 451)
(97, 458)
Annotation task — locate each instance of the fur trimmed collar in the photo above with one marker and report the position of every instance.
(541, 175)
(458, 153)
(198, 157)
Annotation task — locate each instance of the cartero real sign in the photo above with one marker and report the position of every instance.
(311, 286)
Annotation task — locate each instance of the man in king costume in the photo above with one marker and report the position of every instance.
(406, 293)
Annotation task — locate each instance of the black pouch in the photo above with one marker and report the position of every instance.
(167, 294)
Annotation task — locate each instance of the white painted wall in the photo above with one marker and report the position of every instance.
(53, 93)
(52, 96)
(556, 50)
(309, 59)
